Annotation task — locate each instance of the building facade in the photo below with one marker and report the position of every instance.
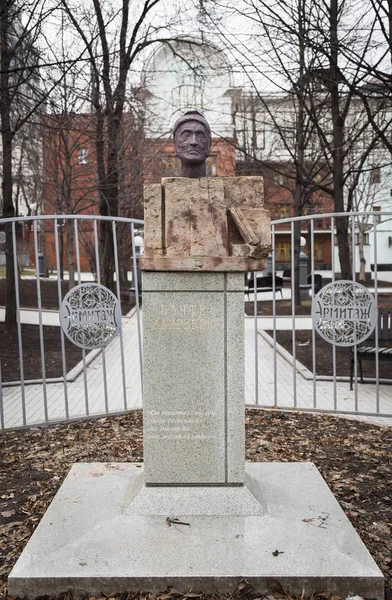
(253, 134)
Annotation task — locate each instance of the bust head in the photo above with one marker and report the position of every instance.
(192, 143)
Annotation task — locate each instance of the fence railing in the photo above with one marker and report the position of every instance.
(44, 378)
(29, 392)
(317, 386)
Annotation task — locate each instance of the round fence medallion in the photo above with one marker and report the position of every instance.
(344, 313)
(90, 315)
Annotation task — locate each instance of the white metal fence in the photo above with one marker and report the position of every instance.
(288, 365)
(290, 384)
(85, 383)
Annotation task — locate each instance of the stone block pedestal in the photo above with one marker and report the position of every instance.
(106, 532)
(193, 374)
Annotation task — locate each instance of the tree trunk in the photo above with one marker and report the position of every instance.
(300, 151)
(60, 229)
(70, 252)
(297, 245)
(309, 244)
(362, 260)
(338, 147)
(6, 139)
(109, 203)
(123, 251)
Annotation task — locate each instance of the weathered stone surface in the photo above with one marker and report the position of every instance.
(197, 224)
(89, 542)
(259, 220)
(244, 192)
(195, 217)
(153, 219)
(252, 253)
(192, 341)
(209, 236)
(244, 227)
(179, 194)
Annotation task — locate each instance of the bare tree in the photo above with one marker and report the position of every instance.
(305, 51)
(20, 98)
(112, 58)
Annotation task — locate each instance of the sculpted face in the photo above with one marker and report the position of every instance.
(192, 143)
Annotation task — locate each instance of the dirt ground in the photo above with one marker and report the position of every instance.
(355, 459)
(9, 353)
(324, 355)
(9, 350)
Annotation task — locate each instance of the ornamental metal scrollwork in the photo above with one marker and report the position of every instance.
(344, 313)
(90, 315)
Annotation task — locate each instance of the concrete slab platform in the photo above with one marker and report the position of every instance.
(89, 542)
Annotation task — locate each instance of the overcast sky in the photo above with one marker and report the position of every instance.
(234, 26)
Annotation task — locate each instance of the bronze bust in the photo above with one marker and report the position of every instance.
(192, 143)
(199, 223)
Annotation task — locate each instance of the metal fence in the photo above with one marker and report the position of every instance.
(99, 381)
(281, 379)
(288, 364)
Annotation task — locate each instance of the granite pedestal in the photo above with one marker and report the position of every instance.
(98, 536)
(193, 374)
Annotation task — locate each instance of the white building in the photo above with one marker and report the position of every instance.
(188, 74)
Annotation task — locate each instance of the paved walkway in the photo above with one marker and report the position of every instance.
(292, 388)
(296, 387)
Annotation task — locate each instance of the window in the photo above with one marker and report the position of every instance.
(283, 251)
(83, 156)
(260, 139)
(211, 166)
(171, 166)
(282, 211)
(318, 251)
(279, 179)
(365, 238)
(378, 218)
(315, 208)
(186, 97)
(375, 175)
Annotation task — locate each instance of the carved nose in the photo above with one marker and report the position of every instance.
(193, 140)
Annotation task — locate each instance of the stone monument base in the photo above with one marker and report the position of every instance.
(95, 538)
